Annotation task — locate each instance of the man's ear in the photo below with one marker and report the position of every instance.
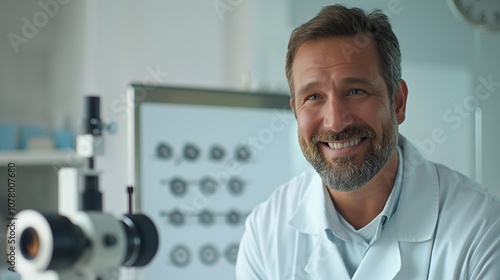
(400, 101)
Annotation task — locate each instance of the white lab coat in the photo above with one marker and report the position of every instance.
(446, 227)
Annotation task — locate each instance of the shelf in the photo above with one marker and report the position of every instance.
(41, 158)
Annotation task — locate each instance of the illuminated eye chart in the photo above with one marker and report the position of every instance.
(204, 160)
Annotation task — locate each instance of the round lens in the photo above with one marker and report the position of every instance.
(30, 243)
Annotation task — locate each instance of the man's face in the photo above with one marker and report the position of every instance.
(347, 122)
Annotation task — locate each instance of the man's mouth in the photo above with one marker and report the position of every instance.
(345, 144)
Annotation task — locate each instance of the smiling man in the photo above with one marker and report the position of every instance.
(348, 123)
(374, 208)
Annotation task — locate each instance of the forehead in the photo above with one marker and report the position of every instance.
(337, 56)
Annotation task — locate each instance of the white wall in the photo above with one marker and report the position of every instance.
(157, 42)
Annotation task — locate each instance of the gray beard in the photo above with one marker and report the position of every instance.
(351, 177)
(343, 174)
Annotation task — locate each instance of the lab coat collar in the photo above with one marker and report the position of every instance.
(312, 214)
(418, 206)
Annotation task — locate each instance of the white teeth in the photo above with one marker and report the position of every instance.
(336, 146)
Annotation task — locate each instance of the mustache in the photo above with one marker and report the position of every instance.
(352, 131)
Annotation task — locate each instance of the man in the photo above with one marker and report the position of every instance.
(374, 208)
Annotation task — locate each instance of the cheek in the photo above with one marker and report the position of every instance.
(307, 124)
(374, 117)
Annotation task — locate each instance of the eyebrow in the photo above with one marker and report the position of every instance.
(348, 80)
(357, 80)
(308, 87)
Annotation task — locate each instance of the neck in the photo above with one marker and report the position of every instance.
(361, 206)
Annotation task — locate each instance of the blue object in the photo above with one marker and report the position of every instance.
(64, 139)
(8, 136)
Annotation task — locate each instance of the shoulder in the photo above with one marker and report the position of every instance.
(467, 207)
(468, 229)
(456, 192)
(456, 188)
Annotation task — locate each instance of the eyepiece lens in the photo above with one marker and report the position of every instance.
(30, 243)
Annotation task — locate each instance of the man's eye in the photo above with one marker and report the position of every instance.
(313, 97)
(356, 91)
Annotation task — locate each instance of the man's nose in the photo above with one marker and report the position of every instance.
(336, 115)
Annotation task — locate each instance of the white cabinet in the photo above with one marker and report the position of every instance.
(35, 177)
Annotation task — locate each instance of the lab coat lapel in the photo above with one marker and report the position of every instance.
(383, 259)
(312, 217)
(326, 261)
